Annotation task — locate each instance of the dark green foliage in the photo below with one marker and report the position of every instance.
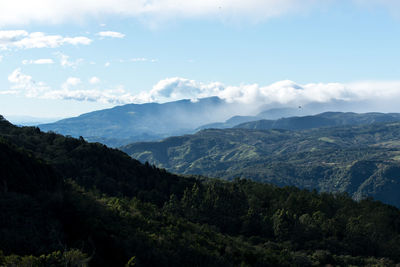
(93, 165)
(65, 202)
(71, 258)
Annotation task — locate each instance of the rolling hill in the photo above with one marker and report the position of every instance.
(362, 160)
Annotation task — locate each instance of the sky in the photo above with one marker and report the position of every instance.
(67, 57)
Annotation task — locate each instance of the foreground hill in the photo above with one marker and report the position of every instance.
(66, 202)
(361, 160)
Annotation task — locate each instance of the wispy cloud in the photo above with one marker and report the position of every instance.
(20, 39)
(143, 59)
(38, 61)
(112, 96)
(71, 89)
(66, 62)
(111, 34)
(22, 83)
(139, 59)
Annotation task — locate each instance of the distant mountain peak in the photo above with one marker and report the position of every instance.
(143, 122)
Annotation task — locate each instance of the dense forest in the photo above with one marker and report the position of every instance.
(362, 160)
(67, 202)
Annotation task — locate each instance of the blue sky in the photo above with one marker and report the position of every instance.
(63, 58)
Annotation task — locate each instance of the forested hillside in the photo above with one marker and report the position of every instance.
(66, 202)
(361, 160)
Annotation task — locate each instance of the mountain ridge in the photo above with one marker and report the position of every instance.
(320, 158)
(133, 122)
(325, 119)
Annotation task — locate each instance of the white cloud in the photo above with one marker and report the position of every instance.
(38, 61)
(283, 93)
(107, 64)
(19, 12)
(21, 39)
(279, 93)
(73, 81)
(111, 34)
(65, 62)
(50, 11)
(113, 96)
(25, 83)
(6, 36)
(94, 80)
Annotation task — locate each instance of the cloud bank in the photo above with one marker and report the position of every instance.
(283, 93)
(20, 39)
(19, 12)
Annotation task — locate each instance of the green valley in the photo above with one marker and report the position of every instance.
(358, 159)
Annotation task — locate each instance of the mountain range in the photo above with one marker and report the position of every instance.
(360, 156)
(135, 122)
(326, 119)
(130, 123)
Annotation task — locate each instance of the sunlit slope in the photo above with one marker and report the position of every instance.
(361, 160)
